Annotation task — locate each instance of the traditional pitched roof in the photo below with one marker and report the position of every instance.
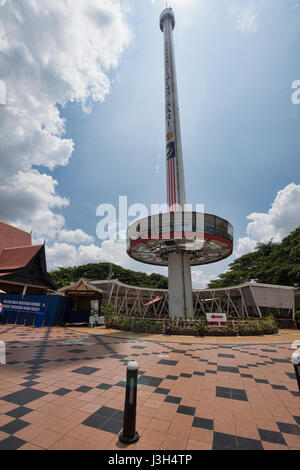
(82, 286)
(20, 262)
(25, 265)
(16, 258)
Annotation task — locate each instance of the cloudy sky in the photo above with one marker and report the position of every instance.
(82, 118)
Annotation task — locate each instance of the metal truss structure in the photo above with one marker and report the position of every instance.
(250, 299)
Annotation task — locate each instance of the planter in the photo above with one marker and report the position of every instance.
(271, 332)
(220, 332)
(200, 333)
(288, 324)
(180, 332)
(154, 332)
(251, 327)
(138, 330)
(188, 332)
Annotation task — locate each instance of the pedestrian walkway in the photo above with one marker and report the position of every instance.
(64, 389)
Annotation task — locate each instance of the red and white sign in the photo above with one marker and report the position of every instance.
(153, 301)
(216, 319)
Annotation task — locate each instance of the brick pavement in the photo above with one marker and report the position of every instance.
(64, 389)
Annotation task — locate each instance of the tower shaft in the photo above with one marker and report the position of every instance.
(175, 173)
(179, 268)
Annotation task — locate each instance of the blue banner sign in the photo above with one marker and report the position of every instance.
(23, 305)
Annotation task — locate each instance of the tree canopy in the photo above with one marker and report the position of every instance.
(101, 271)
(270, 263)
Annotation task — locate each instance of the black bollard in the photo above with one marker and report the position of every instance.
(129, 434)
(296, 362)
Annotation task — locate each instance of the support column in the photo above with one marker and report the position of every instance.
(180, 286)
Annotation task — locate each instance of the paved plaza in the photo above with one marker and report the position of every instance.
(64, 389)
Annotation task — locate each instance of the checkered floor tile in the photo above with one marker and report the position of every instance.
(65, 389)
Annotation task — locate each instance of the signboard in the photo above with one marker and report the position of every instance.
(23, 305)
(216, 319)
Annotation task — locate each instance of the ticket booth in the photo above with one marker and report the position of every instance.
(84, 300)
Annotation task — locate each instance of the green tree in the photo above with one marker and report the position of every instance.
(100, 271)
(270, 263)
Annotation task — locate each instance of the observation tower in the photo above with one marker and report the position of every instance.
(177, 238)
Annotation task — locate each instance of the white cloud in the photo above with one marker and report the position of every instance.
(244, 245)
(51, 52)
(246, 14)
(280, 220)
(61, 254)
(201, 280)
(247, 22)
(35, 192)
(282, 217)
(110, 250)
(75, 236)
(65, 254)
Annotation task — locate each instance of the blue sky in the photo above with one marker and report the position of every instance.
(236, 62)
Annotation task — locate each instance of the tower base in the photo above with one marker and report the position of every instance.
(180, 286)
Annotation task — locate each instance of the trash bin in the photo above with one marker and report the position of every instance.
(39, 320)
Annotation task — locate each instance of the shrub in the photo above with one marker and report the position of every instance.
(156, 327)
(232, 316)
(124, 323)
(269, 326)
(266, 326)
(200, 317)
(201, 328)
(188, 331)
(179, 326)
(144, 325)
(270, 316)
(139, 325)
(108, 311)
(245, 328)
